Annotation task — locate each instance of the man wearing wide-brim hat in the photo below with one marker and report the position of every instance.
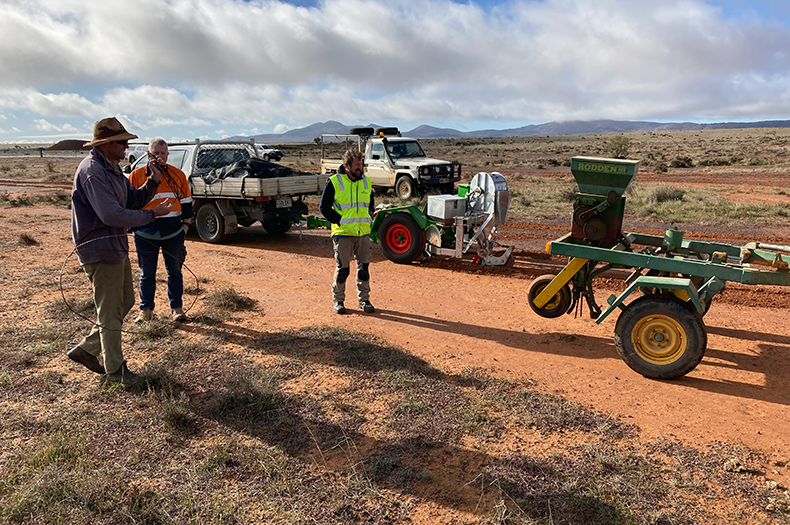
(103, 205)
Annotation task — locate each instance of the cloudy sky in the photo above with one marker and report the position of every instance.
(214, 68)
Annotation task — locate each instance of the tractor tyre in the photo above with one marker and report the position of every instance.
(402, 240)
(209, 224)
(660, 338)
(557, 305)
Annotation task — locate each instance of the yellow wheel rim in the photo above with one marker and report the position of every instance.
(659, 339)
(553, 302)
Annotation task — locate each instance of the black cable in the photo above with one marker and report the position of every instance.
(63, 294)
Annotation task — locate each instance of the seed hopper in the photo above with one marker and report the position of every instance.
(660, 333)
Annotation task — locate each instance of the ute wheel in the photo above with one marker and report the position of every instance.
(556, 306)
(404, 188)
(209, 224)
(266, 157)
(132, 158)
(660, 338)
(402, 240)
(361, 131)
(276, 226)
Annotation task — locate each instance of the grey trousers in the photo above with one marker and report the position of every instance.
(113, 293)
(345, 248)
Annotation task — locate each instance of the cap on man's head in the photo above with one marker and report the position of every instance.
(109, 130)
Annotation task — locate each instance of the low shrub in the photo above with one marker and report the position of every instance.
(682, 162)
(666, 194)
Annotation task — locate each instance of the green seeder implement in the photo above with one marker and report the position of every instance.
(661, 333)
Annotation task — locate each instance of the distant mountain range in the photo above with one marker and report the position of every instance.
(574, 127)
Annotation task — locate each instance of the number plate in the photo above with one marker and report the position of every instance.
(284, 202)
(444, 180)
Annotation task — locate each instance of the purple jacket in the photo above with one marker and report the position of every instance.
(103, 205)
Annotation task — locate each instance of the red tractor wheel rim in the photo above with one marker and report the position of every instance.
(398, 238)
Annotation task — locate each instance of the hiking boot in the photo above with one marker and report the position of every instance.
(179, 315)
(78, 355)
(340, 308)
(144, 317)
(366, 307)
(123, 376)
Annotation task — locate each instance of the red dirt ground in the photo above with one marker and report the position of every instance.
(455, 316)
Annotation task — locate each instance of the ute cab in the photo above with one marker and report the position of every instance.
(406, 158)
(396, 162)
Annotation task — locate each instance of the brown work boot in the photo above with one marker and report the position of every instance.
(179, 315)
(144, 317)
(123, 376)
(78, 355)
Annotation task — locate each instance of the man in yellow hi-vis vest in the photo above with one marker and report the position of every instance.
(347, 202)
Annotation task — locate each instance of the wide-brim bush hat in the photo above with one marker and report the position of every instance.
(109, 130)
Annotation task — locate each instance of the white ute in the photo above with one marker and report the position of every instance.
(228, 192)
(395, 162)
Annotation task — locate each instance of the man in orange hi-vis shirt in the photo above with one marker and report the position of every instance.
(166, 233)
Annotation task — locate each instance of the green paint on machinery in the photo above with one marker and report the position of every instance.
(448, 225)
(661, 333)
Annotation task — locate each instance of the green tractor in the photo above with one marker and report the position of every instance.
(448, 225)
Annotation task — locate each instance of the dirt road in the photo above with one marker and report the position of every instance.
(455, 320)
(457, 316)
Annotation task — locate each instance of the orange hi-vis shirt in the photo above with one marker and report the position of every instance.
(173, 186)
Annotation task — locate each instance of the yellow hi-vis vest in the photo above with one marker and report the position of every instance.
(352, 202)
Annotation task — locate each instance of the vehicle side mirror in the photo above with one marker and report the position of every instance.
(127, 168)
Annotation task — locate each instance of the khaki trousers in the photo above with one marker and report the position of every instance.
(345, 248)
(113, 294)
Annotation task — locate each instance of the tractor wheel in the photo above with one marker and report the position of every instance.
(660, 338)
(405, 188)
(276, 226)
(209, 224)
(402, 240)
(556, 306)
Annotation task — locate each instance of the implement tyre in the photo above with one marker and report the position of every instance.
(660, 338)
(557, 305)
(401, 238)
(209, 224)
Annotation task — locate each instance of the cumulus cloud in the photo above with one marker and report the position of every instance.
(43, 125)
(241, 64)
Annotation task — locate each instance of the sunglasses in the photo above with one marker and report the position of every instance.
(122, 142)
